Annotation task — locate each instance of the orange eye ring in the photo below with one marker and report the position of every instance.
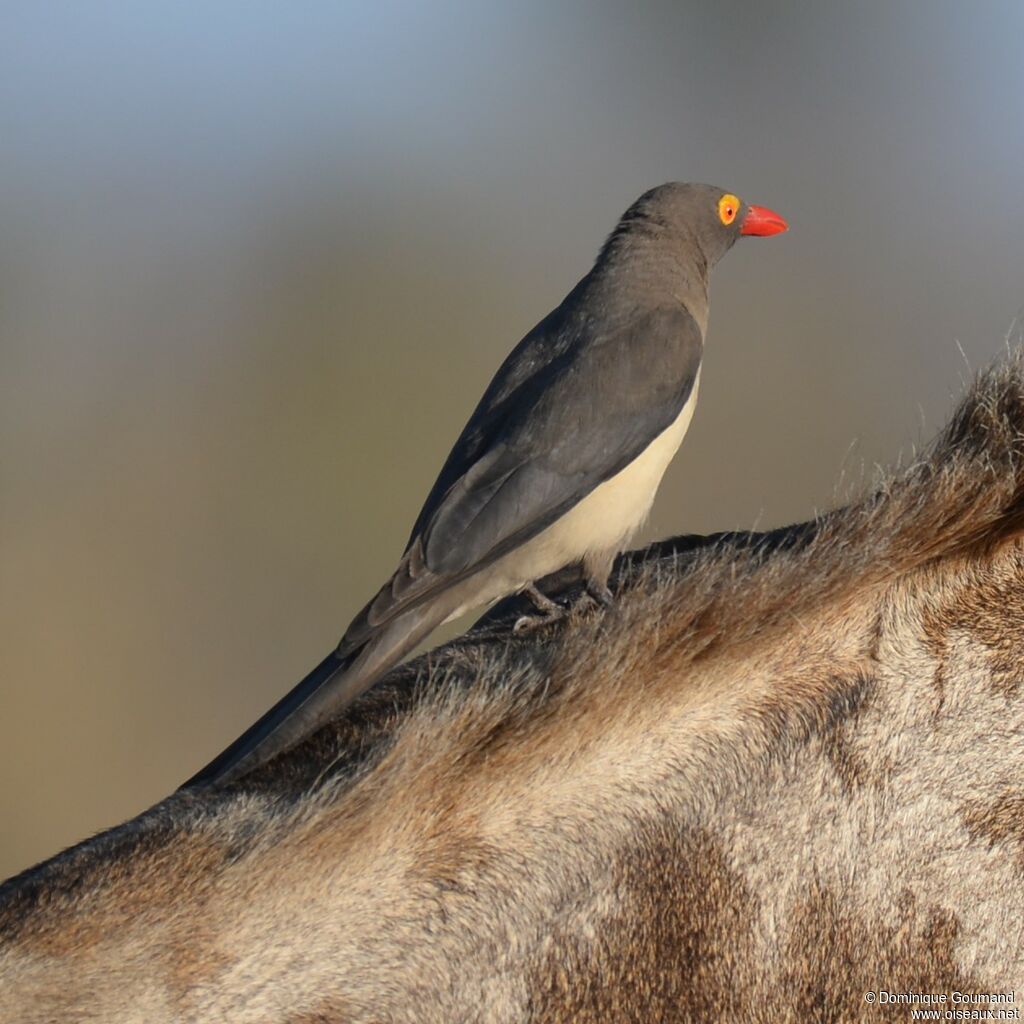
(728, 207)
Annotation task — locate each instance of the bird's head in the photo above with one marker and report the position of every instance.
(700, 220)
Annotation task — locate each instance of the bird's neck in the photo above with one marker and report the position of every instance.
(653, 274)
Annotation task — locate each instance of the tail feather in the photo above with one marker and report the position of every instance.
(334, 684)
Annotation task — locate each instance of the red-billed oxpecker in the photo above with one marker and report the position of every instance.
(560, 461)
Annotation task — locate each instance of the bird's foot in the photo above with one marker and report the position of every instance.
(549, 612)
(600, 594)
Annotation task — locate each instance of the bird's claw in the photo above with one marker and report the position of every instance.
(601, 595)
(549, 612)
(530, 623)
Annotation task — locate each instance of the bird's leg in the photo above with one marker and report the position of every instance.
(599, 591)
(596, 570)
(550, 611)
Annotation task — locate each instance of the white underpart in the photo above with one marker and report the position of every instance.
(601, 524)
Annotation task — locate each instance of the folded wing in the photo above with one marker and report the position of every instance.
(529, 454)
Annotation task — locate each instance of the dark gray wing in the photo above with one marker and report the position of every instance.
(570, 408)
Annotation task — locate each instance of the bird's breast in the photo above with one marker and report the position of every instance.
(602, 522)
(607, 517)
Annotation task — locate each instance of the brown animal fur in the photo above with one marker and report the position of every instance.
(788, 770)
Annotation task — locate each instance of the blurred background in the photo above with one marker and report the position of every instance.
(258, 261)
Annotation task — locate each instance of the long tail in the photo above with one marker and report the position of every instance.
(322, 695)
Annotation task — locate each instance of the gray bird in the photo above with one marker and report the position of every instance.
(558, 464)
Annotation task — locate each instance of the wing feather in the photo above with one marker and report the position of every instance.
(528, 454)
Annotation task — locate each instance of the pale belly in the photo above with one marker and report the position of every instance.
(601, 524)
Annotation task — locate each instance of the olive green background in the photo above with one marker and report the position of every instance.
(257, 262)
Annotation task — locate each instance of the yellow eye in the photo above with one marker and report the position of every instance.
(728, 207)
